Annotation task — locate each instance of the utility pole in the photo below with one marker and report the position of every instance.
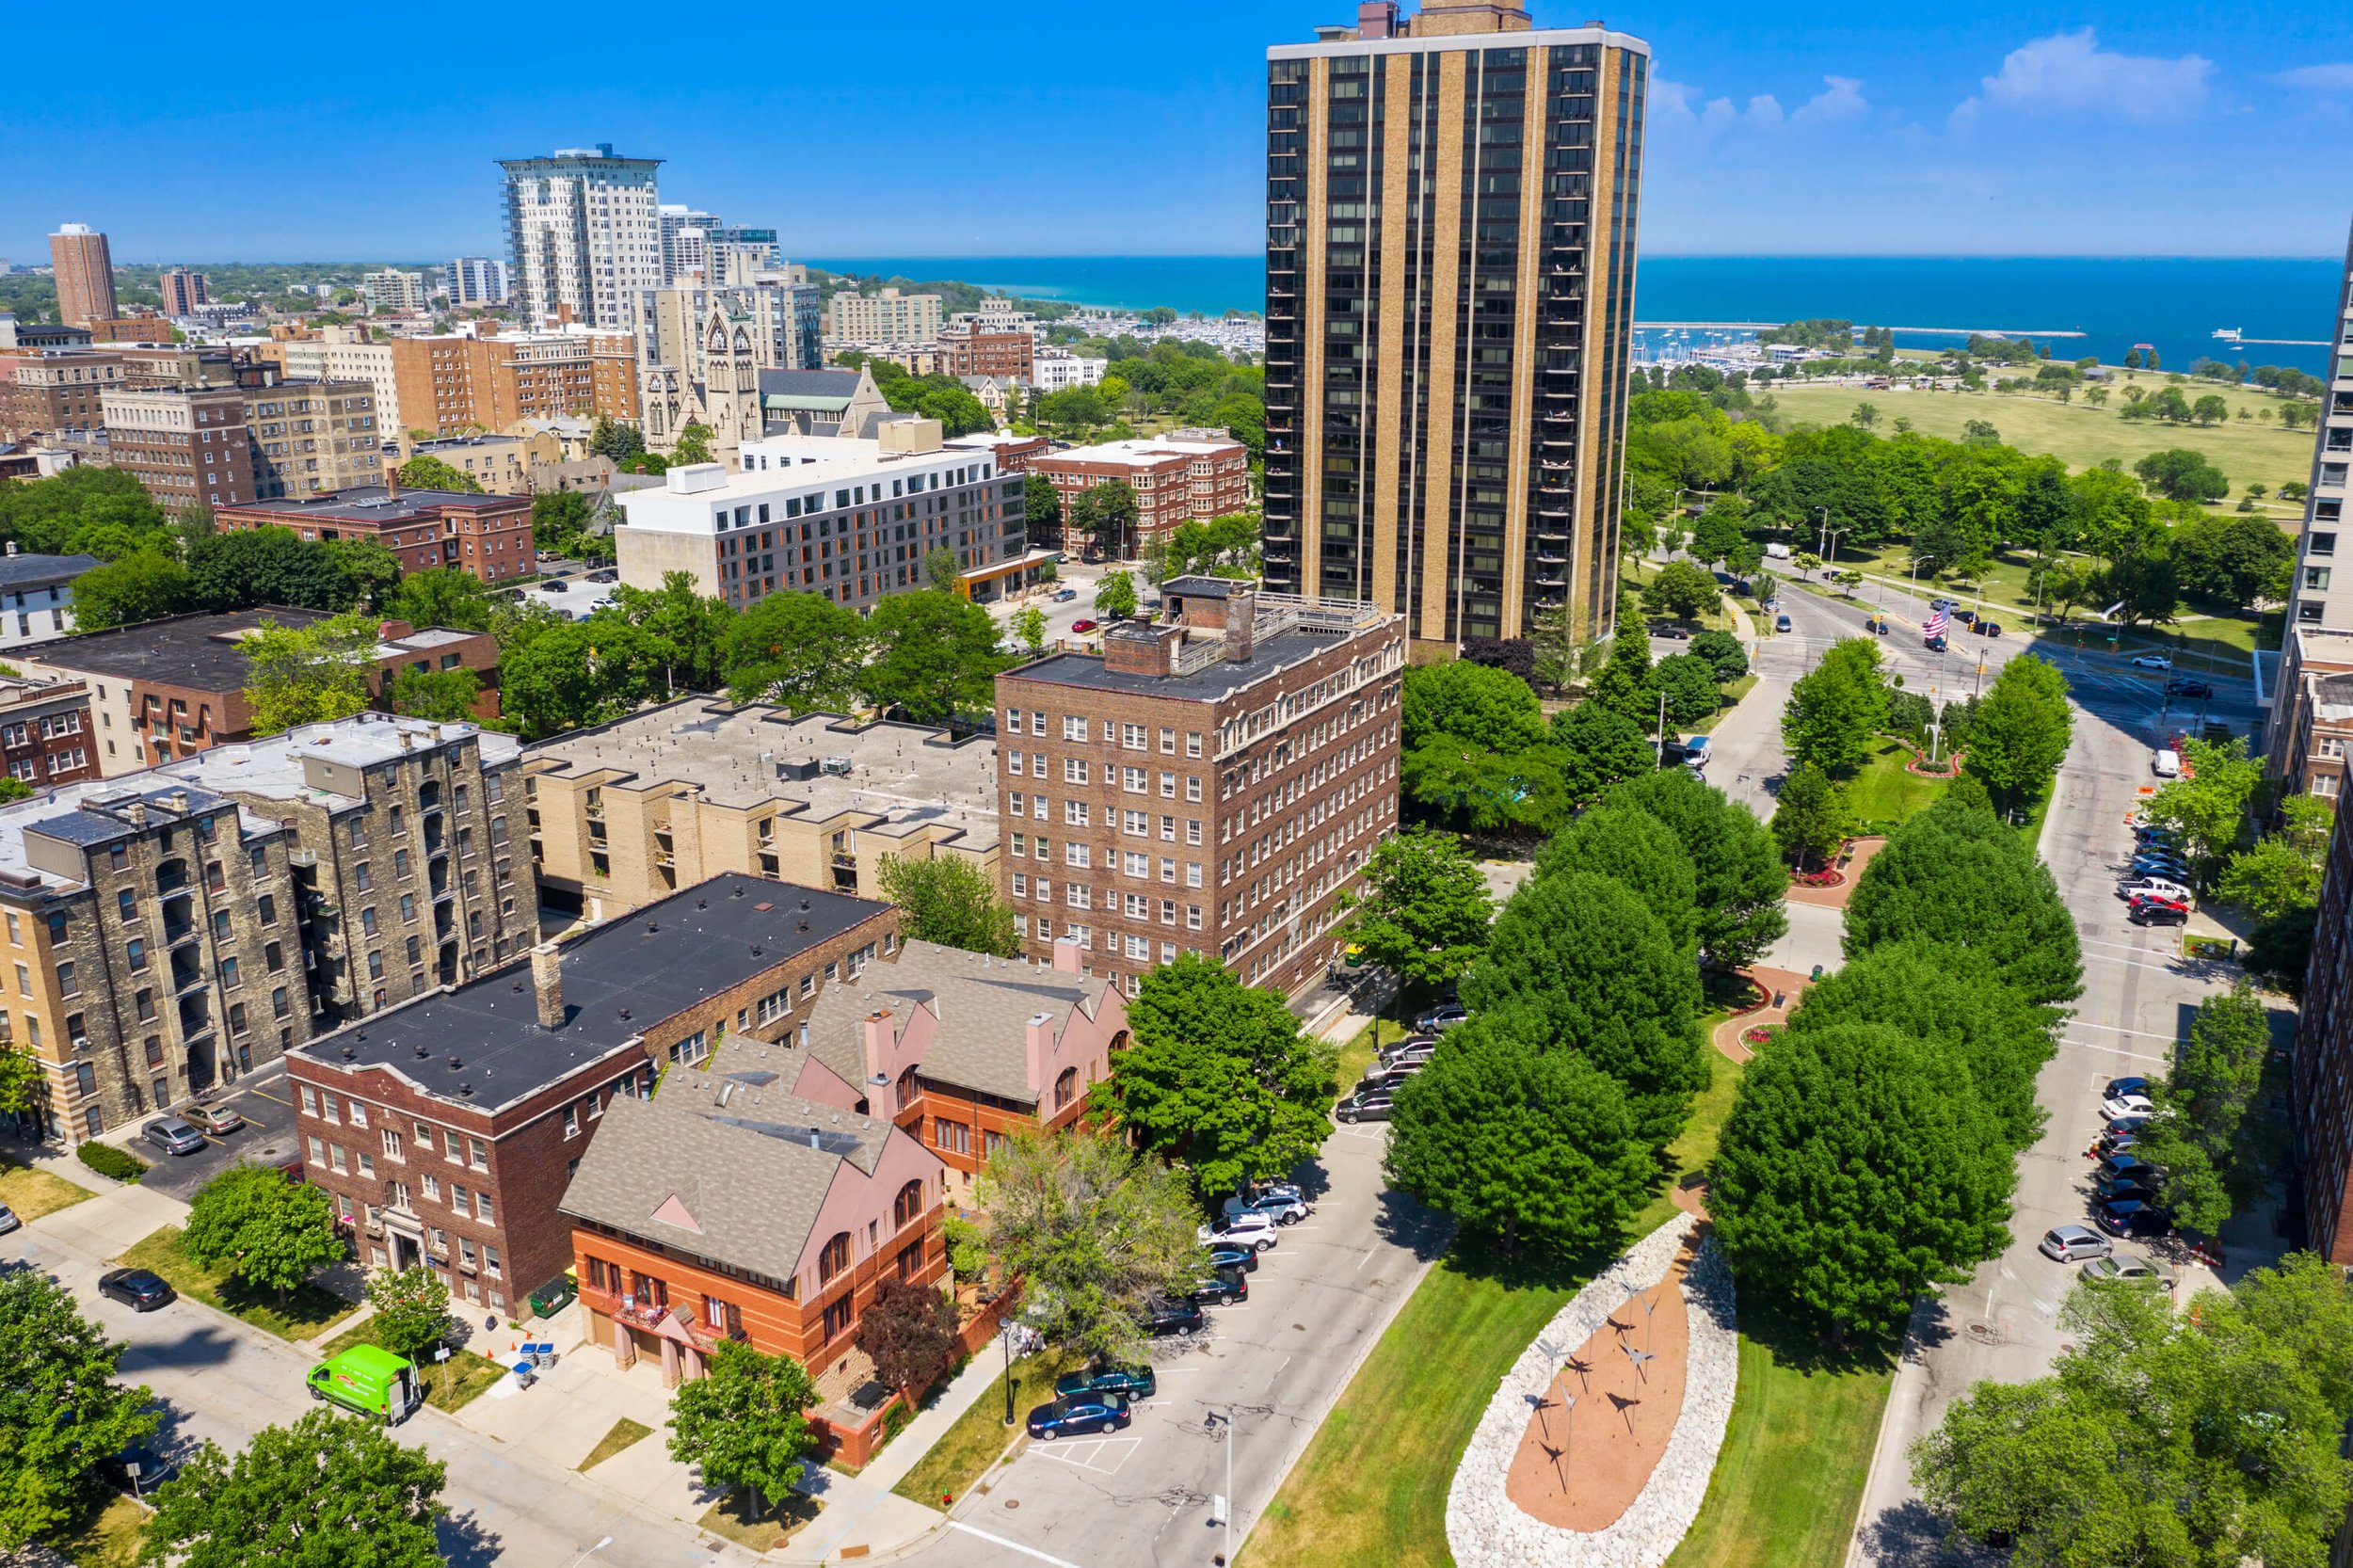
(1225, 1503)
(1663, 728)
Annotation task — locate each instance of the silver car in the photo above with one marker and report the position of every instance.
(9, 1221)
(2140, 1271)
(2074, 1244)
(172, 1135)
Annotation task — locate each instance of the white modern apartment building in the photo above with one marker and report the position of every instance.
(584, 235)
(1054, 370)
(474, 281)
(2318, 601)
(685, 238)
(996, 315)
(839, 515)
(885, 317)
(392, 289)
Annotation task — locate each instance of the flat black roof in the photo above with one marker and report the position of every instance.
(204, 652)
(619, 980)
(376, 503)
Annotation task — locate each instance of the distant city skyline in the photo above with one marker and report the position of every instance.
(2118, 130)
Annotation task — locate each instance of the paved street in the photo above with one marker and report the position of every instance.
(2137, 1000)
(1278, 1361)
(220, 1381)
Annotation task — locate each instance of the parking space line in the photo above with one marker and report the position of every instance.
(1010, 1545)
(272, 1098)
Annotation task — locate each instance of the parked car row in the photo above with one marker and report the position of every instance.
(2155, 885)
(2125, 1188)
(1375, 1097)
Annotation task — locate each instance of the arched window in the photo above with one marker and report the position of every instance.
(909, 1206)
(1065, 1086)
(907, 1091)
(835, 1259)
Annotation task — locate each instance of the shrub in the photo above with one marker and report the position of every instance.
(108, 1160)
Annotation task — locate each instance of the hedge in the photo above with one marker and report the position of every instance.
(108, 1160)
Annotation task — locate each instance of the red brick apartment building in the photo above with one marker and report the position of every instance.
(1184, 476)
(486, 537)
(960, 1050)
(447, 1129)
(1212, 783)
(45, 736)
(2322, 1097)
(988, 354)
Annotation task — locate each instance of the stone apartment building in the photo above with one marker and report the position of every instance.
(155, 945)
(312, 438)
(2312, 715)
(343, 354)
(486, 537)
(45, 736)
(404, 863)
(629, 812)
(1212, 783)
(889, 316)
(451, 381)
(501, 464)
(446, 1130)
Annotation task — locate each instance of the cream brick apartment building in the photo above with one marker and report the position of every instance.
(630, 811)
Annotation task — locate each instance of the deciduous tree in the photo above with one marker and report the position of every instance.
(146, 585)
(935, 655)
(1857, 1168)
(1960, 877)
(309, 674)
(443, 596)
(1625, 683)
(301, 1495)
(1519, 1137)
(909, 1331)
(1682, 591)
(1810, 817)
(2206, 807)
(1688, 684)
(446, 695)
(1836, 709)
(744, 1423)
(1640, 853)
(1425, 908)
(1723, 653)
(1116, 594)
(62, 1410)
(951, 902)
(1488, 707)
(1095, 1229)
(1218, 1076)
(273, 1233)
(411, 1310)
(425, 471)
(1598, 750)
(2021, 731)
(799, 649)
(1738, 867)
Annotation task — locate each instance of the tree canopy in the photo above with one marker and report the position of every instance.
(1425, 908)
(273, 1233)
(61, 1410)
(301, 1496)
(1733, 861)
(949, 900)
(1961, 877)
(744, 1423)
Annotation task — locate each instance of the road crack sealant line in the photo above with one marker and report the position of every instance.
(1483, 1526)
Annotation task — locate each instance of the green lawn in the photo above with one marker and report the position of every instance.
(1372, 1487)
(449, 1385)
(1882, 794)
(110, 1537)
(733, 1518)
(624, 1432)
(306, 1313)
(967, 1448)
(2081, 436)
(33, 1194)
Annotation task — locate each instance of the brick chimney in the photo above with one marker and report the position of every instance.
(1066, 955)
(1241, 615)
(547, 985)
(389, 629)
(1040, 1043)
(876, 1034)
(1139, 647)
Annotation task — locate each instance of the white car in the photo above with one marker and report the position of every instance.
(2126, 1105)
(1255, 1231)
(2165, 763)
(2154, 887)
(2152, 662)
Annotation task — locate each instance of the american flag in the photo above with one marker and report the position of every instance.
(1935, 627)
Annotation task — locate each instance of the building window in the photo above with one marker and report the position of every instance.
(908, 1205)
(834, 1258)
(951, 1137)
(1065, 1087)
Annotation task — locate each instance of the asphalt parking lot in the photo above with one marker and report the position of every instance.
(267, 1137)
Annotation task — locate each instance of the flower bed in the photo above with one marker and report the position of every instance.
(1830, 878)
(1759, 1034)
(1759, 996)
(1949, 768)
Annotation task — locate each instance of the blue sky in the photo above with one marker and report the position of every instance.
(1054, 128)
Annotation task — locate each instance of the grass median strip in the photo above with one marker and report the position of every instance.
(449, 1385)
(32, 1193)
(305, 1314)
(967, 1448)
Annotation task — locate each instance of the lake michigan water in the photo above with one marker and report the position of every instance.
(2174, 303)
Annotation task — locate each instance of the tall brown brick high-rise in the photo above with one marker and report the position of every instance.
(1210, 784)
(86, 275)
(1452, 205)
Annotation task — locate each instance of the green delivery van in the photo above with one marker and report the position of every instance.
(370, 1380)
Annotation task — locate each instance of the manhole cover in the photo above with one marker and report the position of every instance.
(270, 1150)
(1985, 1334)
(1012, 1503)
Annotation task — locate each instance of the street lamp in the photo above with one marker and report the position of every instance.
(598, 1548)
(1225, 1509)
(1004, 1338)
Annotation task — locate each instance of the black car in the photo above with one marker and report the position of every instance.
(1966, 618)
(1244, 1258)
(2138, 1187)
(1936, 645)
(1179, 1317)
(136, 1288)
(1987, 628)
(2129, 1217)
(1367, 1105)
(1084, 1413)
(2185, 686)
(1109, 1378)
(1671, 630)
(1224, 1287)
(138, 1470)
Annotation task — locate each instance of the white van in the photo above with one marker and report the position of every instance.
(2167, 763)
(1777, 551)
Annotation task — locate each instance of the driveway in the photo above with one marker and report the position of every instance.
(267, 1138)
(2137, 1002)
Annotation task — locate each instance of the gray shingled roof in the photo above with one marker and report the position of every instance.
(984, 1009)
(20, 570)
(751, 1182)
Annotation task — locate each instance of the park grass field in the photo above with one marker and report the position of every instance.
(2250, 450)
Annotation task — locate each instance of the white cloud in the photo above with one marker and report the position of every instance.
(1721, 116)
(1841, 100)
(2069, 72)
(1764, 110)
(1671, 100)
(2335, 77)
